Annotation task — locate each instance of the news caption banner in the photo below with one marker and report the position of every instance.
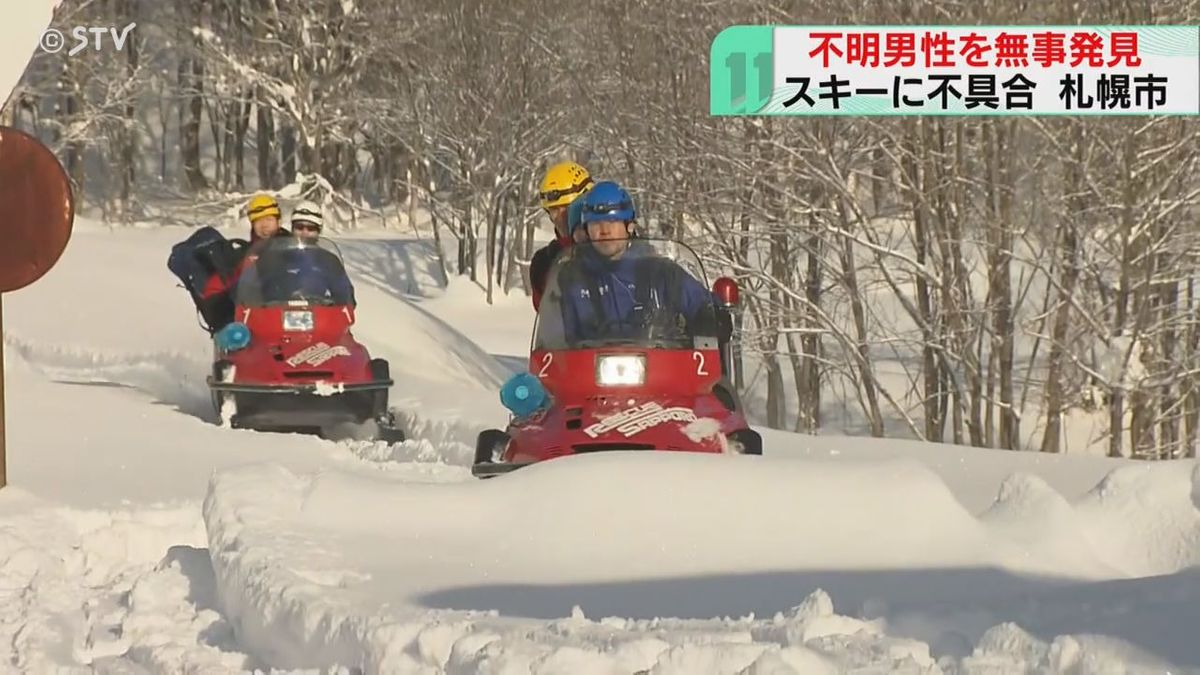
(955, 70)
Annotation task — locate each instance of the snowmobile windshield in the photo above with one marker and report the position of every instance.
(284, 271)
(641, 293)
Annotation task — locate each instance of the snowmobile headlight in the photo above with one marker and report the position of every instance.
(624, 370)
(298, 321)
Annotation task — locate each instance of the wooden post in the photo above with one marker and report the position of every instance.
(7, 115)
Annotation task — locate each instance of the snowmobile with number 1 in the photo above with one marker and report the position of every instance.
(289, 361)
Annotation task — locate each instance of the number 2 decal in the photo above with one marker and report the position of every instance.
(546, 360)
(698, 357)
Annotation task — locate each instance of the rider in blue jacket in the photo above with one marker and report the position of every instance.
(321, 271)
(618, 286)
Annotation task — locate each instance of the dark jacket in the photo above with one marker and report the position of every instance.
(539, 267)
(603, 298)
(311, 273)
(216, 301)
(227, 272)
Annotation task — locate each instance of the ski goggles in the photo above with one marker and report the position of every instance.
(622, 211)
(306, 217)
(263, 211)
(550, 196)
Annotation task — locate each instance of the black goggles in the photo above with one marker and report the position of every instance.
(608, 208)
(260, 209)
(555, 195)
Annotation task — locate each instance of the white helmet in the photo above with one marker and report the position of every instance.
(308, 212)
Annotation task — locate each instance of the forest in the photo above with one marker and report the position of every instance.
(1015, 282)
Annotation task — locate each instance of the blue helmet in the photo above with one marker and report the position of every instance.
(608, 201)
(575, 215)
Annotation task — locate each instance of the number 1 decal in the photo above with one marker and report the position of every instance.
(546, 361)
(698, 357)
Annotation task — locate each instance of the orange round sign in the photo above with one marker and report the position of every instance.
(37, 209)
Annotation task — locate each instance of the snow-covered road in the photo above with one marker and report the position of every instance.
(138, 535)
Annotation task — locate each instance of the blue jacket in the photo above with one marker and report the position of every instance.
(617, 299)
(310, 273)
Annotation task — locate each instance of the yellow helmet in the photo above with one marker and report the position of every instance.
(563, 183)
(261, 206)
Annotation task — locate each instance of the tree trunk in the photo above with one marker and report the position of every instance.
(231, 112)
(858, 310)
(929, 364)
(798, 361)
(775, 394)
(243, 127)
(1117, 410)
(880, 172)
(517, 244)
(490, 244)
(191, 86)
(222, 120)
(769, 321)
(1169, 403)
(433, 221)
(265, 138)
(967, 341)
(1191, 424)
(72, 107)
(955, 295)
(1000, 276)
(287, 154)
(164, 107)
(129, 146)
(810, 372)
(1068, 253)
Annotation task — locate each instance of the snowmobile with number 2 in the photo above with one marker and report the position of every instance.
(664, 386)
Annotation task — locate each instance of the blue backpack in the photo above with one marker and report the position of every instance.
(194, 260)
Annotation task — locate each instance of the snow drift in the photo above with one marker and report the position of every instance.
(359, 571)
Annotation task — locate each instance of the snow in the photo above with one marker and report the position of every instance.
(331, 569)
(138, 534)
(323, 388)
(702, 428)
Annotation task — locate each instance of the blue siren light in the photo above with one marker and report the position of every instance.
(233, 337)
(523, 394)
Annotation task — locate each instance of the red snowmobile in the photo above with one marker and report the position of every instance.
(656, 382)
(289, 362)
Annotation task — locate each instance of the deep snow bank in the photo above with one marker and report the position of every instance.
(109, 330)
(973, 474)
(103, 565)
(119, 591)
(110, 286)
(360, 571)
